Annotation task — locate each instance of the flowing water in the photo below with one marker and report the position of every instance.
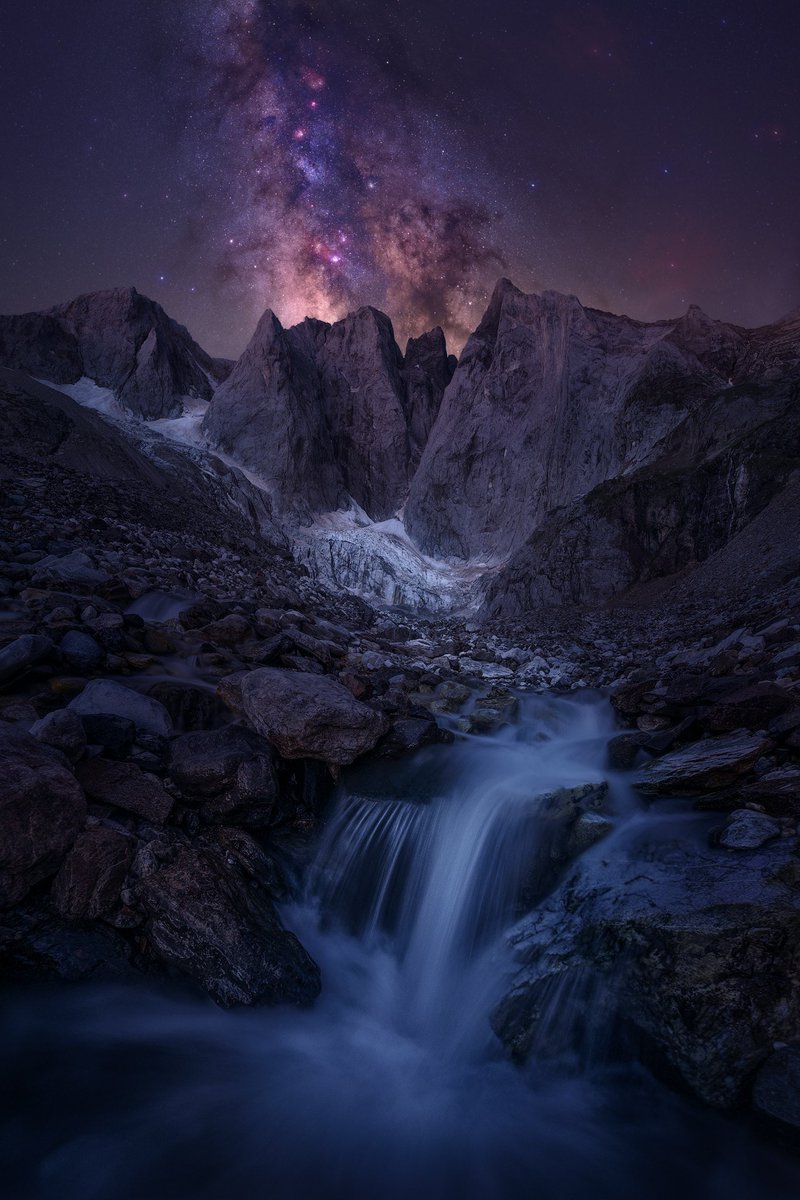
(392, 1085)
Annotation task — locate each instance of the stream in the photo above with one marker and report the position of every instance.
(393, 1085)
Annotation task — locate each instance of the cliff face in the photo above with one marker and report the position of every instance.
(576, 453)
(329, 414)
(549, 399)
(123, 342)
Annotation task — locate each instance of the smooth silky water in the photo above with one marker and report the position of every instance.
(393, 1084)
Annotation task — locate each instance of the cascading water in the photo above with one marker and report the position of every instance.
(392, 1085)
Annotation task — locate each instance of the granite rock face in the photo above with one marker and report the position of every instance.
(328, 415)
(122, 341)
(596, 451)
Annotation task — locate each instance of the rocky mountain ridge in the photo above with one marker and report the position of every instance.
(569, 457)
(120, 340)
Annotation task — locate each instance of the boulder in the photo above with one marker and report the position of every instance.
(748, 830)
(81, 651)
(63, 731)
(231, 772)
(126, 786)
(107, 697)
(696, 950)
(707, 765)
(42, 810)
(75, 569)
(310, 716)
(22, 654)
(216, 924)
(92, 875)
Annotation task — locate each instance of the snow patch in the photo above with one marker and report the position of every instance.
(89, 394)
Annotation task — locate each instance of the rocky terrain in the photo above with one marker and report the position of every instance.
(179, 691)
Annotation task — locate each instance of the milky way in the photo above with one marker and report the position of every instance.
(336, 185)
(228, 155)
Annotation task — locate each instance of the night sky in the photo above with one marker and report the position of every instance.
(228, 155)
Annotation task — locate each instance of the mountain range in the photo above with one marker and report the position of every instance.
(574, 454)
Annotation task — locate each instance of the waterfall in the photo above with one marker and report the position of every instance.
(393, 1084)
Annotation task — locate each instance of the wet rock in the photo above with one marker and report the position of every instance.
(105, 696)
(92, 875)
(410, 734)
(695, 949)
(706, 765)
(126, 786)
(42, 810)
(310, 716)
(776, 1091)
(747, 830)
(22, 654)
(81, 651)
(589, 828)
(63, 731)
(232, 772)
(216, 925)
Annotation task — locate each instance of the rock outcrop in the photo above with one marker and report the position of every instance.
(331, 415)
(695, 946)
(596, 451)
(120, 340)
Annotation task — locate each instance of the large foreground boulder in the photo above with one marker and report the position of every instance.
(310, 716)
(218, 926)
(42, 810)
(694, 946)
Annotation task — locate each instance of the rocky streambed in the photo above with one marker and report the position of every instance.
(369, 837)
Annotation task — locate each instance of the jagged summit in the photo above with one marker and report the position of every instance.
(331, 414)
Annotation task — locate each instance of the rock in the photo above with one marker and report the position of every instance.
(92, 875)
(703, 766)
(749, 708)
(81, 651)
(229, 631)
(699, 956)
(76, 569)
(748, 830)
(207, 918)
(190, 707)
(126, 786)
(309, 716)
(776, 1091)
(114, 735)
(105, 696)
(232, 772)
(410, 734)
(589, 828)
(25, 652)
(778, 790)
(36, 943)
(63, 731)
(42, 810)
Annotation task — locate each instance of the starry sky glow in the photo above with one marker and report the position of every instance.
(314, 155)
